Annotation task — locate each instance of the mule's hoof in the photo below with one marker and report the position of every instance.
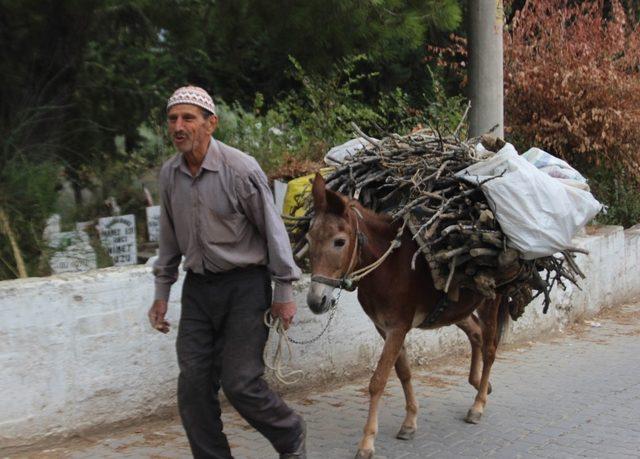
(473, 417)
(364, 454)
(489, 389)
(406, 433)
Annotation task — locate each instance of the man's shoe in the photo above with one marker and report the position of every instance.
(301, 451)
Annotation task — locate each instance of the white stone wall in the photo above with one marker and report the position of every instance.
(77, 353)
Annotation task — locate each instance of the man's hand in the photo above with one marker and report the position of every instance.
(285, 311)
(156, 316)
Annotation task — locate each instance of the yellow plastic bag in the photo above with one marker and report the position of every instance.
(298, 189)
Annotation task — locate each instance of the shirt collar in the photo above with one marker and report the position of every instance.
(210, 162)
(213, 158)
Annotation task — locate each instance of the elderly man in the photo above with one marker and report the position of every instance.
(218, 212)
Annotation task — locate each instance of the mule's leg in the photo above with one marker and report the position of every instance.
(410, 423)
(390, 352)
(471, 327)
(403, 370)
(488, 313)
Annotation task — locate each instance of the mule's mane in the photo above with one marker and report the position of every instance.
(368, 212)
(377, 222)
(336, 203)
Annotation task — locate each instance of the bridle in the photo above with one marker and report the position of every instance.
(345, 282)
(348, 281)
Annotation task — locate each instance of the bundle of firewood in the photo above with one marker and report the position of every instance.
(413, 179)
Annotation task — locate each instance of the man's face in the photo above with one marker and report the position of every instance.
(189, 129)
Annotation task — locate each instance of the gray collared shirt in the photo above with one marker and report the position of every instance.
(221, 219)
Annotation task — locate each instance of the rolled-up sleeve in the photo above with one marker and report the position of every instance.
(165, 268)
(257, 202)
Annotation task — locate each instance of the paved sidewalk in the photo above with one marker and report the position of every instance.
(577, 395)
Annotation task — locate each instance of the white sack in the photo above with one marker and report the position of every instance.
(538, 213)
(337, 155)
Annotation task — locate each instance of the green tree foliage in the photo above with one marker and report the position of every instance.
(27, 195)
(108, 64)
(75, 75)
(249, 41)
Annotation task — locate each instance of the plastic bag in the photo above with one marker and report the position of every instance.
(551, 165)
(338, 154)
(298, 189)
(538, 213)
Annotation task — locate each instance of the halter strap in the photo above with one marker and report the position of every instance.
(351, 277)
(356, 245)
(345, 282)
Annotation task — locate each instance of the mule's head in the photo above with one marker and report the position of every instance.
(332, 243)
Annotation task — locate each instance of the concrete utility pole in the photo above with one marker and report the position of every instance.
(486, 21)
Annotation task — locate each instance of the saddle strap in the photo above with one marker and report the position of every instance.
(436, 313)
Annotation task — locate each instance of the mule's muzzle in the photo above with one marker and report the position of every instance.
(320, 297)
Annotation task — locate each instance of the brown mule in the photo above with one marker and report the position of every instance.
(344, 237)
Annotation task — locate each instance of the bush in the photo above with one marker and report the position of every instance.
(289, 138)
(27, 197)
(614, 188)
(296, 131)
(572, 84)
(303, 125)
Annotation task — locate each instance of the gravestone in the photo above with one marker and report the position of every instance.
(118, 236)
(279, 192)
(84, 226)
(73, 252)
(52, 227)
(153, 223)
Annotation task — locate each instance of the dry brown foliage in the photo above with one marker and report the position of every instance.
(294, 166)
(452, 58)
(572, 81)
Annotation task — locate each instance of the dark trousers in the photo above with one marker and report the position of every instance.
(220, 343)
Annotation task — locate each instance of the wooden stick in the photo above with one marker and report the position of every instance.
(5, 227)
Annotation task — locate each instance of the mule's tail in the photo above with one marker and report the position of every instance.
(503, 317)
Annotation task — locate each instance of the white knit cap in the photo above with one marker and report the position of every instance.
(192, 95)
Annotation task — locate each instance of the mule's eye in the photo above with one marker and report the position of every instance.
(339, 243)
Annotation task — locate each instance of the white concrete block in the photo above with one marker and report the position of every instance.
(632, 262)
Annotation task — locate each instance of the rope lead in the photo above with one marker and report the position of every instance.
(277, 366)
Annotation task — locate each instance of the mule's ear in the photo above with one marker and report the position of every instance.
(336, 204)
(319, 193)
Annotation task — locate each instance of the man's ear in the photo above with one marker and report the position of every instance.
(213, 124)
(319, 193)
